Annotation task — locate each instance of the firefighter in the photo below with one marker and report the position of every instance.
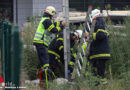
(42, 36)
(56, 53)
(99, 48)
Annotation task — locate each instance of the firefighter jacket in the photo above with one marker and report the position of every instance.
(99, 48)
(56, 48)
(45, 28)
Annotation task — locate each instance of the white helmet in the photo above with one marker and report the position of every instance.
(51, 10)
(78, 33)
(95, 13)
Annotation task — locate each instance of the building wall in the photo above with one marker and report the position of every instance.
(22, 9)
(40, 5)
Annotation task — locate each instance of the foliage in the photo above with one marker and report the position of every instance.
(120, 49)
(30, 61)
(126, 7)
(98, 7)
(108, 6)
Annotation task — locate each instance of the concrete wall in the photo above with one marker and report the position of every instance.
(22, 9)
(40, 5)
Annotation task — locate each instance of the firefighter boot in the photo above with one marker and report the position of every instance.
(46, 75)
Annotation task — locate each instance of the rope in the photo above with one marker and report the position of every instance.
(46, 78)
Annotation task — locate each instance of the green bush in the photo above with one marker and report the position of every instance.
(30, 62)
(120, 49)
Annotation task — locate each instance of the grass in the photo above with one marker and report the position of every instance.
(114, 84)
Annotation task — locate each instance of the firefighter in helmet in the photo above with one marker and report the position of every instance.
(56, 53)
(43, 34)
(99, 48)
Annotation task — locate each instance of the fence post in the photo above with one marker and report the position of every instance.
(16, 57)
(0, 33)
(1, 38)
(10, 46)
(7, 50)
(3, 49)
(66, 36)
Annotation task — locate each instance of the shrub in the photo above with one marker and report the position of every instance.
(120, 49)
(30, 61)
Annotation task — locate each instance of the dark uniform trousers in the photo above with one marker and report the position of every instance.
(42, 53)
(56, 67)
(98, 67)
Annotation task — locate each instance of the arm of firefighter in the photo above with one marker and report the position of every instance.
(60, 46)
(100, 34)
(59, 25)
(51, 27)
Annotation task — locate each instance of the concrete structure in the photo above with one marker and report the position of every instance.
(24, 8)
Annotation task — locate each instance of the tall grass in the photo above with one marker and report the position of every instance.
(30, 62)
(120, 49)
(119, 66)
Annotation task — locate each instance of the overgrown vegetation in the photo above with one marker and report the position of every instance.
(30, 62)
(120, 51)
(118, 68)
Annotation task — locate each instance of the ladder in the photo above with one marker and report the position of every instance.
(81, 58)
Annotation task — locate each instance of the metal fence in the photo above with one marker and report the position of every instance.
(10, 45)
